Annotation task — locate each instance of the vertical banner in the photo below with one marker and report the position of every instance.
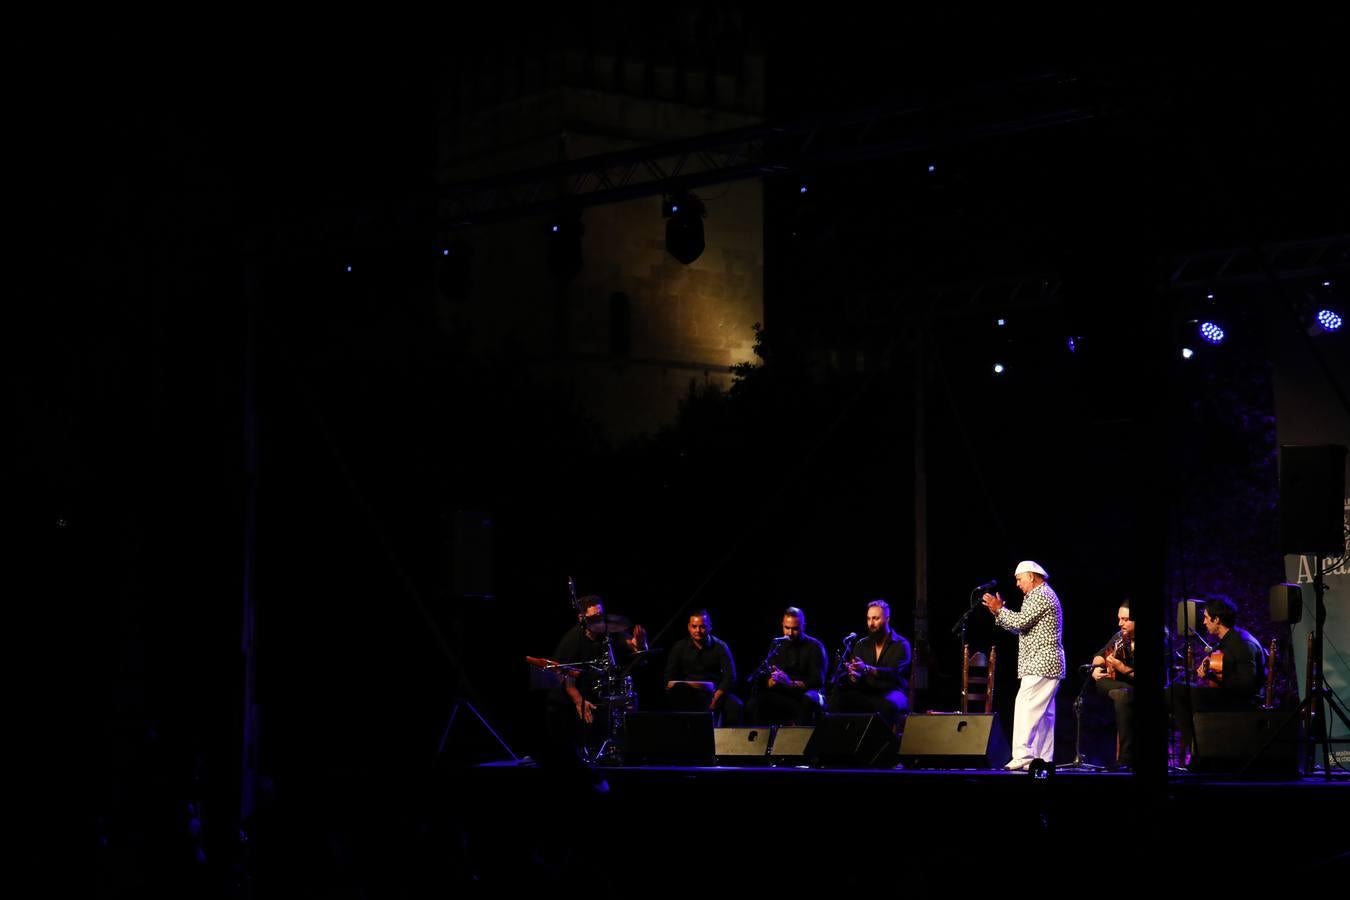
(1312, 382)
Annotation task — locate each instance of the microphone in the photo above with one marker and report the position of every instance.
(987, 585)
(779, 640)
(852, 636)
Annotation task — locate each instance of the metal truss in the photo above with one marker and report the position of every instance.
(762, 150)
(1284, 261)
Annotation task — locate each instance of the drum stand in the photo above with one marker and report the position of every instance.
(616, 698)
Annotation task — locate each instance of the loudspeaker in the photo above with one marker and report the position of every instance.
(1233, 742)
(1312, 499)
(789, 744)
(669, 739)
(742, 746)
(954, 741)
(1286, 604)
(849, 740)
(1188, 617)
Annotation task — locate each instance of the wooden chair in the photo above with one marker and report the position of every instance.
(982, 678)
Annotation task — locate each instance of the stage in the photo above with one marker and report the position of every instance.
(798, 826)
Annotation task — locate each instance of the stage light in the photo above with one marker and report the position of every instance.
(349, 268)
(998, 368)
(1212, 332)
(1000, 322)
(454, 270)
(802, 189)
(931, 168)
(684, 227)
(1329, 319)
(1073, 342)
(564, 246)
(1187, 353)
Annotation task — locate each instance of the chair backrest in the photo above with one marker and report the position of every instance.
(982, 678)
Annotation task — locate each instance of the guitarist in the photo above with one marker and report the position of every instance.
(1113, 672)
(1230, 678)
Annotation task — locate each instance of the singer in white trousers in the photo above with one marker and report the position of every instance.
(1034, 721)
(1039, 626)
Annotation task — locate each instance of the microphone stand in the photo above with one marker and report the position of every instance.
(845, 650)
(763, 668)
(1079, 764)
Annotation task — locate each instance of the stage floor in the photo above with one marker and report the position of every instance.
(822, 826)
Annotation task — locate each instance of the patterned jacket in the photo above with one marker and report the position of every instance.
(1039, 626)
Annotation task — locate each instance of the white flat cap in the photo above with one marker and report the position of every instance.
(1027, 565)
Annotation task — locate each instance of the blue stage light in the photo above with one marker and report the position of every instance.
(1329, 319)
(1211, 332)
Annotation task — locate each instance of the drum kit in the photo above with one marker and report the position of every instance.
(611, 684)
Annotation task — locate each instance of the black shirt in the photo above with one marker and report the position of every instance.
(1123, 649)
(803, 660)
(1244, 663)
(685, 662)
(892, 669)
(577, 645)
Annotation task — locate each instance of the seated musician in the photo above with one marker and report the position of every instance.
(1229, 678)
(788, 684)
(1113, 672)
(875, 673)
(572, 722)
(700, 673)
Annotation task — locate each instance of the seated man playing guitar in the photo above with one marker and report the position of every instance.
(1229, 678)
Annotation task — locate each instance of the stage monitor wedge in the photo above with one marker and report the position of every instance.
(954, 741)
(852, 741)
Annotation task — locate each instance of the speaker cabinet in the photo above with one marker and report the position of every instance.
(1190, 613)
(1312, 499)
(1286, 604)
(955, 741)
(789, 744)
(742, 746)
(669, 739)
(852, 741)
(1257, 741)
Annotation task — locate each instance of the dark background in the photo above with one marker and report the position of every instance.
(170, 199)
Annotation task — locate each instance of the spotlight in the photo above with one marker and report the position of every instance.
(454, 270)
(1187, 353)
(1329, 319)
(1212, 332)
(564, 246)
(684, 227)
(998, 368)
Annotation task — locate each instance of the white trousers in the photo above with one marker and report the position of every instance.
(1033, 734)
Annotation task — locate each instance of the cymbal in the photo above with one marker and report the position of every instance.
(607, 624)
